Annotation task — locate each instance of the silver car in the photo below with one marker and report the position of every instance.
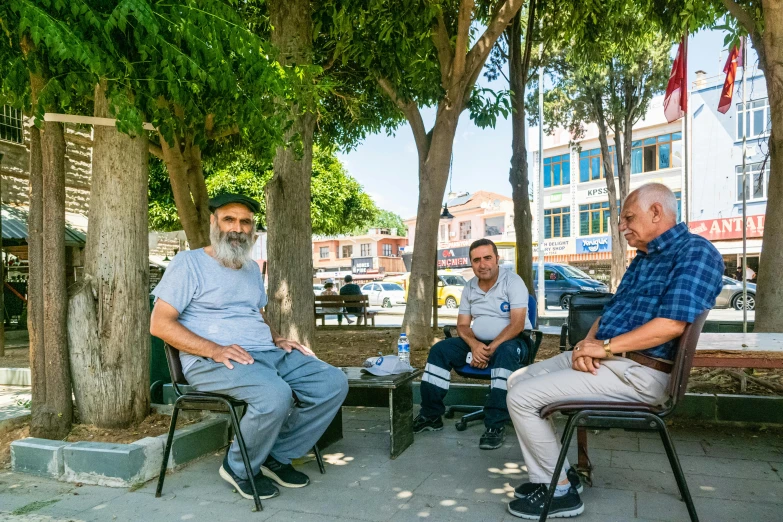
(731, 295)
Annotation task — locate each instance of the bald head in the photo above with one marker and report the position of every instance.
(651, 193)
(648, 212)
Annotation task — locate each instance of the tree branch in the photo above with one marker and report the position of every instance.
(478, 54)
(412, 114)
(440, 35)
(463, 33)
(156, 150)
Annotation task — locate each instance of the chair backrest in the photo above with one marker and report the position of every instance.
(683, 361)
(583, 310)
(175, 367)
(532, 311)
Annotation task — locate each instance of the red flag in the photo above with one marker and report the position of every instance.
(675, 103)
(734, 59)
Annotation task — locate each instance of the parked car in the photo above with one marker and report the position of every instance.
(317, 289)
(731, 295)
(450, 286)
(384, 294)
(562, 281)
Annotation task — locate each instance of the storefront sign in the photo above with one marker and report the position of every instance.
(591, 245)
(555, 197)
(454, 257)
(361, 265)
(559, 246)
(728, 228)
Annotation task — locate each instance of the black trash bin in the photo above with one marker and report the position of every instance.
(159, 368)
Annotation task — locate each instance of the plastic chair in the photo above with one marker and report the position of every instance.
(195, 400)
(532, 339)
(635, 416)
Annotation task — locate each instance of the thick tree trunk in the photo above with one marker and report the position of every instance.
(518, 175)
(183, 162)
(769, 299)
(52, 407)
(108, 314)
(433, 175)
(290, 308)
(618, 242)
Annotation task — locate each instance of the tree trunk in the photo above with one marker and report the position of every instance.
(618, 242)
(52, 407)
(290, 307)
(433, 175)
(769, 311)
(518, 175)
(108, 314)
(183, 162)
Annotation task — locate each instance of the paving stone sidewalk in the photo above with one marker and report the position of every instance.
(733, 475)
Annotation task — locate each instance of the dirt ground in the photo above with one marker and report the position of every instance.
(154, 425)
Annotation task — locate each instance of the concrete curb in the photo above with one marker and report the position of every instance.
(15, 376)
(118, 465)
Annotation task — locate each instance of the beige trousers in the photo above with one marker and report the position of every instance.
(538, 385)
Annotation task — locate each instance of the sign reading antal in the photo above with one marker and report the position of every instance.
(728, 228)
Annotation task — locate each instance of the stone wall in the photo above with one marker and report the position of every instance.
(14, 187)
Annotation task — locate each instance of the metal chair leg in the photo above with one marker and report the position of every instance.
(568, 433)
(319, 459)
(674, 461)
(243, 450)
(167, 450)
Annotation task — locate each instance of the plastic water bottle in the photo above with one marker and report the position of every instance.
(404, 348)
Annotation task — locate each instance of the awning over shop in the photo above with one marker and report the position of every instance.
(15, 228)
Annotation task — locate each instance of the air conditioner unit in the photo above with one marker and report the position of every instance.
(453, 234)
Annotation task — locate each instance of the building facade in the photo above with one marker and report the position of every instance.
(577, 228)
(716, 184)
(367, 257)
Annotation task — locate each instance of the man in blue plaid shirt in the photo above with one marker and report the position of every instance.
(674, 277)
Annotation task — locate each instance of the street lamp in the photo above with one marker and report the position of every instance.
(446, 214)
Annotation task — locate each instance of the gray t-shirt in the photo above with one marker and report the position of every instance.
(491, 311)
(217, 303)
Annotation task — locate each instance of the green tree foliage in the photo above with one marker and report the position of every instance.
(338, 205)
(384, 219)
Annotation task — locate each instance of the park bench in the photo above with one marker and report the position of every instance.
(741, 350)
(340, 301)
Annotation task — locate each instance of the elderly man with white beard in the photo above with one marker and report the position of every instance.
(210, 306)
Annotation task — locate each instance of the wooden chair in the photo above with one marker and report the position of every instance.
(635, 416)
(195, 400)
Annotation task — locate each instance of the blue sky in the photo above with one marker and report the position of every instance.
(387, 165)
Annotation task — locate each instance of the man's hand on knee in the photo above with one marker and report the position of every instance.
(481, 355)
(584, 363)
(233, 352)
(288, 345)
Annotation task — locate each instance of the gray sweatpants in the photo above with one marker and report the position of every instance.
(271, 425)
(530, 389)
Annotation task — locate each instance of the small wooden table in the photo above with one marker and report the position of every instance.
(394, 391)
(738, 350)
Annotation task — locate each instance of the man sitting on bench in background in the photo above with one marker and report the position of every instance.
(350, 288)
(496, 303)
(627, 356)
(210, 306)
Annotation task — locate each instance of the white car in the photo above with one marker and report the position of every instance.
(384, 294)
(317, 289)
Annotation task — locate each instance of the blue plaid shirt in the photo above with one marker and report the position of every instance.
(678, 278)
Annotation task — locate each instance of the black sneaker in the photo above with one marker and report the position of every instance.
(493, 438)
(284, 474)
(422, 423)
(531, 507)
(529, 487)
(264, 486)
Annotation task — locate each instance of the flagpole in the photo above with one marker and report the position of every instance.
(541, 285)
(744, 192)
(686, 140)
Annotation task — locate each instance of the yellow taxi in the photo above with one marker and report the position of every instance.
(450, 285)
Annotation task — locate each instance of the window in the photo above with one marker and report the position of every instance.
(324, 252)
(444, 233)
(365, 249)
(387, 249)
(494, 226)
(11, 125)
(590, 165)
(557, 170)
(392, 287)
(348, 251)
(758, 181)
(594, 218)
(464, 229)
(557, 222)
(755, 119)
(656, 153)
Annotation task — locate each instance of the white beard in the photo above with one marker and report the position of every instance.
(231, 249)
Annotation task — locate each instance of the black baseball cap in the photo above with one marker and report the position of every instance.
(224, 199)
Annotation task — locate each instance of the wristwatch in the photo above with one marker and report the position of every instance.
(608, 348)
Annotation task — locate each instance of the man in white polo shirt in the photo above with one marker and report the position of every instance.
(495, 302)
